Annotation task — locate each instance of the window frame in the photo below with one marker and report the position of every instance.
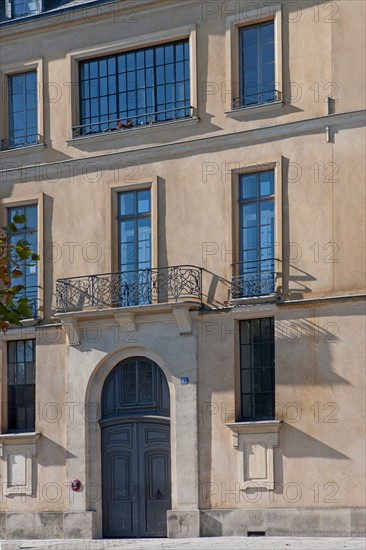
(242, 84)
(10, 9)
(233, 227)
(122, 110)
(8, 344)
(256, 201)
(234, 23)
(252, 368)
(122, 46)
(36, 200)
(25, 233)
(112, 229)
(11, 70)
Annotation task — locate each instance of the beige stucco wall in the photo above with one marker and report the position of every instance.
(319, 194)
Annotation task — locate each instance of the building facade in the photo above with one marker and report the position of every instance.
(192, 174)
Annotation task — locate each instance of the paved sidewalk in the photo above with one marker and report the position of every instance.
(219, 543)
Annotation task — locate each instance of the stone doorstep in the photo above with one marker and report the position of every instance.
(227, 543)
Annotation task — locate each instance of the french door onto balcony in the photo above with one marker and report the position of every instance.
(134, 228)
(256, 241)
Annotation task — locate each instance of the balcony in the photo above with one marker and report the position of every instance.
(20, 141)
(255, 278)
(256, 99)
(136, 122)
(130, 288)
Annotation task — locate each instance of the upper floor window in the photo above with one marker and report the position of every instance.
(22, 8)
(134, 230)
(257, 65)
(257, 369)
(255, 275)
(21, 385)
(28, 232)
(136, 88)
(22, 110)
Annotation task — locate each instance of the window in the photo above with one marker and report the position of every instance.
(257, 369)
(22, 110)
(135, 88)
(134, 229)
(21, 385)
(22, 8)
(257, 65)
(135, 383)
(28, 232)
(256, 235)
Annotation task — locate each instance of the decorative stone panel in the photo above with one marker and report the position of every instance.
(255, 442)
(17, 452)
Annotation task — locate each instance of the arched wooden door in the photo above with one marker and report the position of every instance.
(135, 427)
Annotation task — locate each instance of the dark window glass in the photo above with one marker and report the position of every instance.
(143, 87)
(256, 234)
(21, 8)
(134, 227)
(21, 385)
(138, 384)
(27, 232)
(257, 369)
(257, 64)
(22, 98)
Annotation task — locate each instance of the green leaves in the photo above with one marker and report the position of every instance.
(13, 259)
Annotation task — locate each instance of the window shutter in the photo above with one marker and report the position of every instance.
(8, 9)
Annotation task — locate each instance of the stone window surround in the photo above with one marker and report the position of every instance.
(234, 23)
(13, 202)
(73, 58)
(13, 69)
(234, 171)
(15, 445)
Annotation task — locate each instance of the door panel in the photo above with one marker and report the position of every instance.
(155, 465)
(120, 502)
(136, 479)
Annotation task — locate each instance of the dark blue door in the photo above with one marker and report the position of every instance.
(135, 451)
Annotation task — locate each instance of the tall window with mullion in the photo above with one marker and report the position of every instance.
(135, 88)
(21, 385)
(256, 220)
(257, 74)
(134, 227)
(22, 111)
(28, 232)
(257, 369)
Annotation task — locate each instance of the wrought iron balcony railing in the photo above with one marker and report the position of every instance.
(130, 288)
(20, 141)
(133, 122)
(255, 278)
(256, 99)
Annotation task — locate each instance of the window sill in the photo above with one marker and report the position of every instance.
(255, 426)
(242, 112)
(21, 150)
(104, 136)
(274, 297)
(19, 437)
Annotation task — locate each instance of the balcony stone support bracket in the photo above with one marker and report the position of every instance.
(183, 319)
(255, 442)
(126, 321)
(72, 327)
